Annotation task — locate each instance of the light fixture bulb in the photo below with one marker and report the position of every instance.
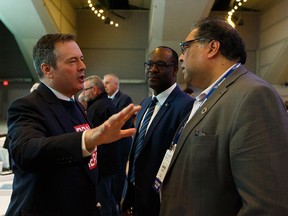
(100, 13)
(231, 23)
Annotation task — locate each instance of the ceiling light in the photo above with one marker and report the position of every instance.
(101, 13)
(237, 5)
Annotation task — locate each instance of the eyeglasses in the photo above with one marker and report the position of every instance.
(85, 89)
(158, 64)
(184, 45)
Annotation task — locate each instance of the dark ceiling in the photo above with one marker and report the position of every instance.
(115, 4)
(221, 5)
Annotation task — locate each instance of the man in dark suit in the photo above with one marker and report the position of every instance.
(231, 158)
(99, 109)
(171, 108)
(120, 100)
(53, 149)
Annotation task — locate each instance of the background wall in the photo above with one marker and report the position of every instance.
(121, 50)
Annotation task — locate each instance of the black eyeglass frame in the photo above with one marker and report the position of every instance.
(184, 44)
(85, 89)
(159, 64)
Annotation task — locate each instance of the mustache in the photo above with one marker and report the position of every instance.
(153, 76)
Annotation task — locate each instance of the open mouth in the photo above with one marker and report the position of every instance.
(82, 78)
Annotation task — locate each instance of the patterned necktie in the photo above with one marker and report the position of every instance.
(141, 135)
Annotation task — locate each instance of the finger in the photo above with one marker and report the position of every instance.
(127, 132)
(131, 112)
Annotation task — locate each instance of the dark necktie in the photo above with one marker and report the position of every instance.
(141, 135)
(74, 112)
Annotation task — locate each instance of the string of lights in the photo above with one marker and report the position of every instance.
(237, 5)
(99, 11)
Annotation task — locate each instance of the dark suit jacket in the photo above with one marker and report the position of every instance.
(122, 100)
(50, 175)
(108, 156)
(237, 163)
(157, 140)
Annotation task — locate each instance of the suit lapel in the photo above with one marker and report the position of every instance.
(65, 122)
(58, 109)
(116, 99)
(141, 113)
(165, 106)
(204, 110)
(139, 117)
(159, 115)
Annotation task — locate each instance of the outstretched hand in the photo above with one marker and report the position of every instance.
(110, 130)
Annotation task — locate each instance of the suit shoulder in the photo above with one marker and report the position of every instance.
(124, 96)
(103, 104)
(185, 97)
(26, 100)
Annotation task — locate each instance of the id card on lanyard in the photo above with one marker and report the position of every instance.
(168, 158)
(163, 169)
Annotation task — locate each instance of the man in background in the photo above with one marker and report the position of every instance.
(81, 98)
(120, 100)
(155, 135)
(99, 109)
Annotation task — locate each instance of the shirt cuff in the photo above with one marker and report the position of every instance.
(85, 152)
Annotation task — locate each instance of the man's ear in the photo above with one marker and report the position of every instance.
(46, 69)
(214, 47)
(175, 70)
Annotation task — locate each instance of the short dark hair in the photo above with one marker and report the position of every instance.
(43, 51)
(174, 56)
(231, 44)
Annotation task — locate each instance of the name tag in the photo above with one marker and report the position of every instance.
(163, 169)
(93, 160)
(82, 127)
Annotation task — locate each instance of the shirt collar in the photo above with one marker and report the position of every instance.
(113, 96)
(164, 95)
(59, 95)
(207, 90)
